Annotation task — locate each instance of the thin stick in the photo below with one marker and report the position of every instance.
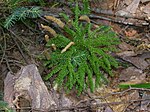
(20, 50)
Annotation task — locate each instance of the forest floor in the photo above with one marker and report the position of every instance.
(23, 44)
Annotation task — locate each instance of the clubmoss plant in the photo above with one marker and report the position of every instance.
(81, 58)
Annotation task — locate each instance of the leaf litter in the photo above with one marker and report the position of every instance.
(134, 50)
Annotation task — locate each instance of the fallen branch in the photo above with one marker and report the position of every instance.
(120, 20)
(85, 106)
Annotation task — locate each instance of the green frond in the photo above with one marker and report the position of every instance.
(80, 75)
(107, 63)
(4, 107)
(78, 58)
(3, 104)
(70, 31)
(22, 14)
(34, 0)
(90, 81)
(50, 63)
(113, 62)
(54, 71)
(77, 13)
(98, 75)
(16, 3)
(71, 76)
(61, 76)
(34, 12)
(66, 17)
(10, 21)
(104, 67)
(86, 7)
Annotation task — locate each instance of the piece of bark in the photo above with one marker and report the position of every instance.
(145, 103)
(143, 1)
(133, 6)
(108, 109)
(130, 10)
(138, 60)
(9, 89)
(27, 83)
(131, 73)
(146, 10)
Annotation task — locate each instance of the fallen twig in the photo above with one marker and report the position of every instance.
(85, 106)
(119, 20)
(20, 50)
(110, 94)
(111, 13)
(3, 50)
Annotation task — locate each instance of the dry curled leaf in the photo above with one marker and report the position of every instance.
(130, 33)
(49, 29)
(55, 20)
(143, 47)
(103, 91)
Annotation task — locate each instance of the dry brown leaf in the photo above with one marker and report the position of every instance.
(130, 33)
(125, 47)
(55, 20)
(143, 47)
(49, 29)
(139, 62)
(135, 81)
(126, 53)
(103, 91)
(132, 74)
